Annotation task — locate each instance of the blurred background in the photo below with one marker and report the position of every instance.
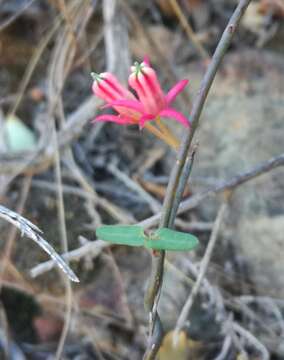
(68, 176)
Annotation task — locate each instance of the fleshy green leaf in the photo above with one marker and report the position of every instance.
(132, 235)
(167, 239)
(19, 136)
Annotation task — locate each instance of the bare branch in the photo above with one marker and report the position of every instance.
(252, 340)
(33, 232)
(192, 202)
(203, 268)
(181, 172)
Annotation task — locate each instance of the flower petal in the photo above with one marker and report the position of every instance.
(144, 119)
(113, 118)
(171, 113)
(144, 81)
(128, 104)
(146, 60)
(107, 87)
(175, 90)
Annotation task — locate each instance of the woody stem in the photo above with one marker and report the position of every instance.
(178, 179)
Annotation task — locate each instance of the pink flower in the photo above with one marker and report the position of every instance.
(152, 103)
(107, 87)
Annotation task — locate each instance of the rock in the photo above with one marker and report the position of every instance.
(263, 237)
(242, 125)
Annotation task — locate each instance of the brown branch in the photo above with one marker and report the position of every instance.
(178, 175)
(95, 248)
(34, 233)
(230, 184)
(203, 268)
(189, 31)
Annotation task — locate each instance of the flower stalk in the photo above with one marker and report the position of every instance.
(168, 137)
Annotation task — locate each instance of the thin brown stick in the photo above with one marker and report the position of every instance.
(155, 48)
(64, 245)
(12, 235)
(189, 31)
(65, 11)
(60, 66)
(252, 340)
(203, 268)
(223, 355)
(11, 19)
(34, 233)
(178, 175)
(91, 248)
(116, 38)
(32, 66)
(186, 205)
(134, 186)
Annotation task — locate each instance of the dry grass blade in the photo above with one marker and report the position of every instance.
(32, 66)
(11, 19)
(33, 232)
(189, 31)
(251, 339)
(134, 186)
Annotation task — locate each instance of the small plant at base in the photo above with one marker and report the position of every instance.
(161, 239)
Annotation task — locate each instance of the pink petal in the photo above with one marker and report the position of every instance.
(148, 89)
(175, 90)
(144, 119)
(128, 104)
(113, 118)
(171, 113)
(115, 86)
(103, 92)
(146, 60)
(107, 87)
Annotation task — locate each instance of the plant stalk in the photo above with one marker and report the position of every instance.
(180, 174)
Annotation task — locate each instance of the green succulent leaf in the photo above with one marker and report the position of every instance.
(167, 239)
(132, 235)
(19, 136)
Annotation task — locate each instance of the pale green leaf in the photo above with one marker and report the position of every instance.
(167, 239)
(132, 235)
(19, 137)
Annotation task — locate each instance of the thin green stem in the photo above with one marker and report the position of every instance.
(179, 175)
(181, 185)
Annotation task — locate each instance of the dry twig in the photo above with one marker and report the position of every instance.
(202, 271)
(186, 205)
(251, 339)
(33, 232)
(12, 235)
(189, 31)
(131, 184)
(178, 175)
(11, 19)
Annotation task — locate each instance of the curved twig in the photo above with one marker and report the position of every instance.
(33, 232)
